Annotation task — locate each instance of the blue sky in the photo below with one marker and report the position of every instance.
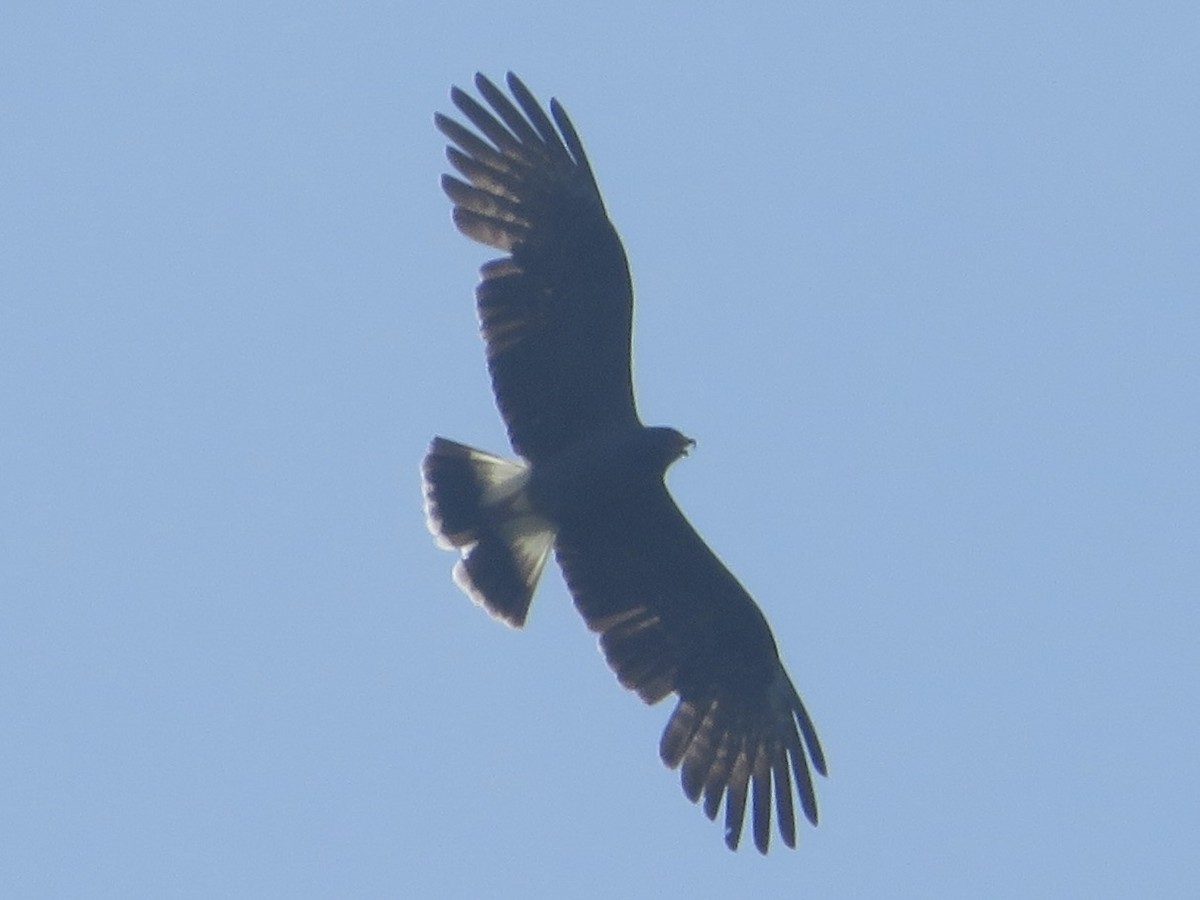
(922, 280)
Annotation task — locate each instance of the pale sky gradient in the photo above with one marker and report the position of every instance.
(922, 279)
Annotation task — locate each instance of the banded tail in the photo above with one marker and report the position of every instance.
(475, 503)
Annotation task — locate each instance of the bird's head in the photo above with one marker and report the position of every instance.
(670, 445)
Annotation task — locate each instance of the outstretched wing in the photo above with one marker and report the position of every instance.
(672, 618)
(556, 312)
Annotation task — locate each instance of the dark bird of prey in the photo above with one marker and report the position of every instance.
(556, 313)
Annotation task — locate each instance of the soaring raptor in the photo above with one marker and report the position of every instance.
(556, 313)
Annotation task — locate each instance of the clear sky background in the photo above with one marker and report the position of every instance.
(923, 280)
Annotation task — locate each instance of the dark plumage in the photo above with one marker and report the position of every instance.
(556, 316)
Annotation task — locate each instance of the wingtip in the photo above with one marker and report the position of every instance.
(483, 83)
(819, 763)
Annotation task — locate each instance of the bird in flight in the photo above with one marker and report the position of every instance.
(556, 315)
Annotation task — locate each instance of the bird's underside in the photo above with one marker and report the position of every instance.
(556, 313)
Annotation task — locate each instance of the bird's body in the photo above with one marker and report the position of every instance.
(556, 316)
(586, 479)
